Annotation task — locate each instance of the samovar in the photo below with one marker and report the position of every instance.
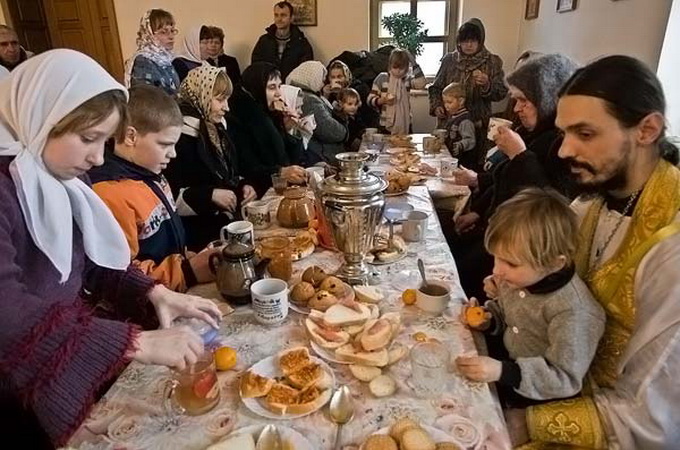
(353, 203)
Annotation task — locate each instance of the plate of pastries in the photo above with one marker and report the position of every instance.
(318, 290)
(288, 385)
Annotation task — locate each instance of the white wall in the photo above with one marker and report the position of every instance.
(597, 28)
(668, 69)
(341, 24)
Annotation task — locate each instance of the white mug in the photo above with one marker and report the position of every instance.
(369, 132)
(413, 230)
(449, 168)
(270, 300)
(241, 231)
(257, 213)
(494, 124)
(436, 301)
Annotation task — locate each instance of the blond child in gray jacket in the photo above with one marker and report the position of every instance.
(550, 322)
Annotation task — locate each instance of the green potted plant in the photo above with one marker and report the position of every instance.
(408, 32)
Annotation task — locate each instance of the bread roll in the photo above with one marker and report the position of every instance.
(322, 300)
(447, 446)
(380, 442)
(302, 292)
(417, 439)
(334, 285)
(395, 353)
(382, 386)
(365, 373)
(314, 275)
(402, 425)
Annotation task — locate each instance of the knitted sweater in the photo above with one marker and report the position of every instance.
(552, 336)
(54, 354)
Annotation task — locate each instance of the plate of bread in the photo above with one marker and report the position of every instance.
(399, 140)
(407, 434)
(353, 335)
(289, 385)
(318, 290)
(246, 439)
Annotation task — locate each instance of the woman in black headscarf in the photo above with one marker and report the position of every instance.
(260, 129)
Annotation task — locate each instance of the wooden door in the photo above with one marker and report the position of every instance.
(89, 27)
(30, 23)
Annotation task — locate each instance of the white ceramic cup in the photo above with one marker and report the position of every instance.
(257, 213)
(369, 132)
(435, 303)
(413, 230)
(431, 144)
(449, 167)
(440, 133)
(494, 124)
(270, 300)
(241, 231)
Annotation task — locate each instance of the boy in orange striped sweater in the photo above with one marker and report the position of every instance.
(131, 184)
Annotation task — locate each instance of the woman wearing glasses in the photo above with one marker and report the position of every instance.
(152, 62)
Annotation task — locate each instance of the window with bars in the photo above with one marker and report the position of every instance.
(440, 18)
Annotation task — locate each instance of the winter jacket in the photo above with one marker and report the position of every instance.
(298, 50)
(142, 203)
(230, 64)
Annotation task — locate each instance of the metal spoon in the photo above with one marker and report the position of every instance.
(269, 439)
(421, 268)
(341, 410)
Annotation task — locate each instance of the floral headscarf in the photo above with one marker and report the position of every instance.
(197, 90)
(147, 47)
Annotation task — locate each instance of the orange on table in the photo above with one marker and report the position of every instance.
(225, 358)
(409, 297)
(419, 336)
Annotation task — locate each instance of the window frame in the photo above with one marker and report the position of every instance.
(452, 25)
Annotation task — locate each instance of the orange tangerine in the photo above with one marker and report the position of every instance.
(420, 336)
(225, 358)
(409, 297)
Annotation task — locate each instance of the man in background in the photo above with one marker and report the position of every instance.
(11, 53)
(284, 44)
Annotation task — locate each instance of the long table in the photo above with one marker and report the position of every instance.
(131, 415)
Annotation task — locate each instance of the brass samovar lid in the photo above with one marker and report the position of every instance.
(352, 180)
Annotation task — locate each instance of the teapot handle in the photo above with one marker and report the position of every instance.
(214, 262)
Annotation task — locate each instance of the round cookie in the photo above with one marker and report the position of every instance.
(380, 442)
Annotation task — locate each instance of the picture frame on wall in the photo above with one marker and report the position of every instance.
(531, 10)
(305, 12)
(566, 5)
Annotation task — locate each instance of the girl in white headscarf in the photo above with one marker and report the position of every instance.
(60, 246)
(152, 62)
(204, 176)
(193, 51)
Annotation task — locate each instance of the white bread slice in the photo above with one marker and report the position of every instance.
(341, 315)
(395, 320)
(377, 335)
(317, 335)
(353, 330)
(376, 359)
(382, 386)
(365, 373)
(368, 294)
(375, 311)
(243, 441)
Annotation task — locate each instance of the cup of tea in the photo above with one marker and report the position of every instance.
(431, 144)
(449, 168)
(440, 133)
(257, 213)
(413, 230)
(433, 297)
(194, 390)
(279, 183)
(494, 124)
(270, 300)
(241, 231)
(369, 132)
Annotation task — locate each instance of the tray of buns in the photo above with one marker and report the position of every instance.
(289, 385)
